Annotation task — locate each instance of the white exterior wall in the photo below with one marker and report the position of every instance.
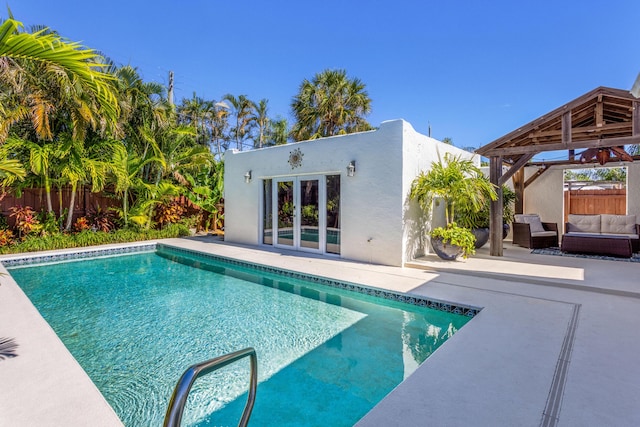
(545, 195)
(374, 203)
(633, 189)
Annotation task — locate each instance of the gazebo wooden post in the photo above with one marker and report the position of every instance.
(495, 224)
(518, 186)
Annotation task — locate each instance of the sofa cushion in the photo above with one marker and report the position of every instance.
(618, 224)
(583, 223)
(543, 234)
(535, 225)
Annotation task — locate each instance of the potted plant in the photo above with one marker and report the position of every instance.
(478, 221)
(455, 182)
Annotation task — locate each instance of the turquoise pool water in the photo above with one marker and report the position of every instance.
(135, 322)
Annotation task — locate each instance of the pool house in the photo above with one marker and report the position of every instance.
(345, 196)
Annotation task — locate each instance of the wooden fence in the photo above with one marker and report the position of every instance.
(595, 202)
(84, 203)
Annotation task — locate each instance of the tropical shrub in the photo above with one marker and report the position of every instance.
(49, 222)
(459, 184)
(91, 238)
(102, 220)
(169, 213)
(81, 224)
(26, 220)
(6, 237)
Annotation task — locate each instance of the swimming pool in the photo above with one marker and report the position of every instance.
(326, 354)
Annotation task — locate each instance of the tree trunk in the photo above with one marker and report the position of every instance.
(125, 202)
(47, 189)
(71, 204)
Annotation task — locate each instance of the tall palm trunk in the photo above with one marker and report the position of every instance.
(125, 207)
(72, 202)
(47, 191)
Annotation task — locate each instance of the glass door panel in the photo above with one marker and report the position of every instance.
(267, 212)
(309, 214)
(333, 214)
(285, 213)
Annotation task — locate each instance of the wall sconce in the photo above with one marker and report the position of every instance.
(247, 177)
(351, 168)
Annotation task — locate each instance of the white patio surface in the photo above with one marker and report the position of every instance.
(556, 343)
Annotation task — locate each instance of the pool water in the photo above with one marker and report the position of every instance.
(135, 322)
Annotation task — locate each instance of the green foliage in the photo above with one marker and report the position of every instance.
(457, 236)
(596, 174)
(330, 104)
(467, 217)
(81, 65)
(50, 223)
(309, 214)
(456, 182)
(91, 238)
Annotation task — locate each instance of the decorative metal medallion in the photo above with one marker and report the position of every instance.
(295, 158)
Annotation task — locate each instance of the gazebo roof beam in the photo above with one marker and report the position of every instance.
(538, 148)
(585, 129)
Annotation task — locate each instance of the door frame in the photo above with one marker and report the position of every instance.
(322, 213)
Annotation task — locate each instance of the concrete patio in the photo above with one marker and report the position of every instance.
(555, 344)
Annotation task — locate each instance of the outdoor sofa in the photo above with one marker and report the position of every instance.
(529, 231)
(605, 234)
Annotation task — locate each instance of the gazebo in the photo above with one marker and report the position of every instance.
(600, 122)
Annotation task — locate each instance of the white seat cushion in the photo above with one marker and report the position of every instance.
(618, 224)
(583, 223)
(543, 233)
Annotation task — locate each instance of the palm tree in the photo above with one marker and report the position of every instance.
(143, 106)
(278, 133)
(80, 164)
(218, 119)
(41, 158)
(11, 169)
(330, 104)
(74, 66)
(455, 181)
(194, 112)
(261, 120)
(242, 109)
(127, 169)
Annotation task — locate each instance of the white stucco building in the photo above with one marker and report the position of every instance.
(345, 196)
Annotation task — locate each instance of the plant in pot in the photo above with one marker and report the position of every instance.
(455, 182)
(478, 221)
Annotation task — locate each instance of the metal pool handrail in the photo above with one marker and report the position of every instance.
(181, 392)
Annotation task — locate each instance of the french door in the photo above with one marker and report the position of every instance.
(297, 215)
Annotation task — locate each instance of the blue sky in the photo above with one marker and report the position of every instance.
(472, 70)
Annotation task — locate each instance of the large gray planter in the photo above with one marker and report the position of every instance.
(445, 251)
(482, 236)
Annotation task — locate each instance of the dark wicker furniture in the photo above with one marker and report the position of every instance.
(619, 246)
(522, 236)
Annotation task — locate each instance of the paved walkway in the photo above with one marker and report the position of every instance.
(556, 343)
